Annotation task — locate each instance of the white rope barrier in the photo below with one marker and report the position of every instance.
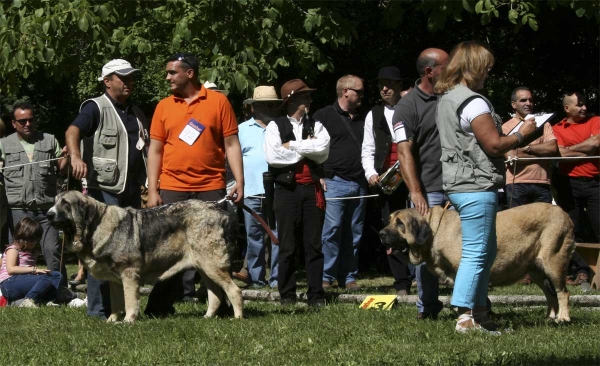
(330, 199)
(557, 158)
(350, 198)
(34, 162)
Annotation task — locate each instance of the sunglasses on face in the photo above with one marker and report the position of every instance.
(526, 99)
(357, 91)
(24, 121)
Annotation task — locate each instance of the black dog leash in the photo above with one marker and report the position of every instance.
(256, 216)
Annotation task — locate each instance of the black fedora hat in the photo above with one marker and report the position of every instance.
(389, 72)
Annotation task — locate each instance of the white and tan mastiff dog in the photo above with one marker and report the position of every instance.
(535, 239)
(129, 247)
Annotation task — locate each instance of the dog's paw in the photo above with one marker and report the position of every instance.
(113, 318)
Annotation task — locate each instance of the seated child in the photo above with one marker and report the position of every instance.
(19, 276)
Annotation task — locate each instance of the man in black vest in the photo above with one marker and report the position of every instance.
(295, 146)
(378, 155)
(31, 188)
(344, 178)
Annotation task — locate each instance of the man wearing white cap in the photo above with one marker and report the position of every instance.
(106, 143)
(264, 103)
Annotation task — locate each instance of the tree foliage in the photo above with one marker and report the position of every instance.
(53, 50)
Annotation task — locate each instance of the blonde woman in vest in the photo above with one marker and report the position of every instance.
(473, 169)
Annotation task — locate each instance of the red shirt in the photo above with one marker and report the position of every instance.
(569, 134)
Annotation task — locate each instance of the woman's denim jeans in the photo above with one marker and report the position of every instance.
(477, 212)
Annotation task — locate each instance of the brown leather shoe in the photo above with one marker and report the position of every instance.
(240, 276)
(581, 277)
(352, 286)
(326, 285)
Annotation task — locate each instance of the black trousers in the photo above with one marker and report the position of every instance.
(299, 221)
(165, 293)
(402, 270)
(574, 195)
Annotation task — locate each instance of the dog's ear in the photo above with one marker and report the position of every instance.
(400, 225)
(421, 230)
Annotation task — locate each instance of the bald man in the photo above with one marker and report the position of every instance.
(419, 153)
(578, 184)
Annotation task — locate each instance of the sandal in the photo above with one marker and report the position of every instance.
(467, 323)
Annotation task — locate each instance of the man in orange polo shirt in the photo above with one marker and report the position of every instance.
(578, 181)
(191, 132)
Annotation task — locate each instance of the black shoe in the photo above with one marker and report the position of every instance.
(188, 299)
(287, 302)
(317, 304)
(423, 316)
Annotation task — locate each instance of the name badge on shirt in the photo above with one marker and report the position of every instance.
(140, 144)
(191, 132)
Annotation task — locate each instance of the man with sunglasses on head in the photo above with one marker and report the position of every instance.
(30, 173)
(192, 131)
(343, 179)
(106, 144)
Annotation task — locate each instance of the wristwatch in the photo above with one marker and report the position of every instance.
(527, 149)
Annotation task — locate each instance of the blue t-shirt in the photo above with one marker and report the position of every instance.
(252, 138)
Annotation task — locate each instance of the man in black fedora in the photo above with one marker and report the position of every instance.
(378, 155)
(295, 146)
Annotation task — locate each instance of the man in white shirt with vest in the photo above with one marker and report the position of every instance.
(295, 146)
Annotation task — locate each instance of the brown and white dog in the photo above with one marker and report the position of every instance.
(535, 239)
(129, 247)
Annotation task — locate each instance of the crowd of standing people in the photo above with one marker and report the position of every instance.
(450, 145)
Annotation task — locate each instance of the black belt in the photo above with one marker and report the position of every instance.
(586, 179)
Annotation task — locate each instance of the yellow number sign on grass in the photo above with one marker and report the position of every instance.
(381, 302)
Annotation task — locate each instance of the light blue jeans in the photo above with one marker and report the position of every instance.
(428, 287)
(255, 252)
(342, 230)
(477, 212)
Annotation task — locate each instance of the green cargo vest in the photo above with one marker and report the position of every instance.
(34, 185)
(106, 152)
(466, 167)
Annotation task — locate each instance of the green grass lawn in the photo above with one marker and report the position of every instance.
(271, 335)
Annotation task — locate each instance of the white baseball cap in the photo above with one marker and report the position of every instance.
(117, 66)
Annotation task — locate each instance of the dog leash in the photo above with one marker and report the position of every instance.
(441, 217)
(256, 216)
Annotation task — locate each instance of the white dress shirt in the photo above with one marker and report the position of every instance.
(368, 145)
(316, 149)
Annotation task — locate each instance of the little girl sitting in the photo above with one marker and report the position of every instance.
(19, 276)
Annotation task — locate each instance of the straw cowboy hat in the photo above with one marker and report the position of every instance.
(263, 93)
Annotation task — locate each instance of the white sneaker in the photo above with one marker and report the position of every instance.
(76, 303)
(28, 303)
